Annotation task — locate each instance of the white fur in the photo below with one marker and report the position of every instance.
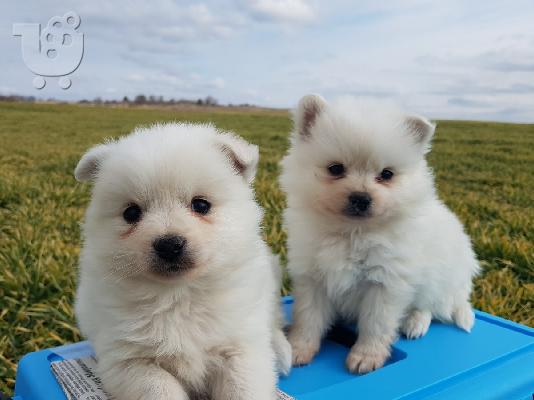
(390, 271)
(211, 331)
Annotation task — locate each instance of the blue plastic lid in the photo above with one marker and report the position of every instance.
(494, 361)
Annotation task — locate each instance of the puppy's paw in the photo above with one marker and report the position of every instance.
(363, 359)
(464, 317)
(416, 324)
(303, 350)
(282, 349)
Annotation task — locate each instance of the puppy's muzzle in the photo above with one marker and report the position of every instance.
(170, 248)
(358, 205)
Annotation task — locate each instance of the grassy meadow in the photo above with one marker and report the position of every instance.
(483, 170)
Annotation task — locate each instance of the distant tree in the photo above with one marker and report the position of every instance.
(199, 102)
(211, 101)
(14, 97)
(97, 100)
(125, 99)
(140, 99)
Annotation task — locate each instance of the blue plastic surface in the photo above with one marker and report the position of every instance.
(494, 361)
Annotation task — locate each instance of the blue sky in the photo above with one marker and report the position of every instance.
(447, 59)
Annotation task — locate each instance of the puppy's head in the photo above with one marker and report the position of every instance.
(357, 163)
(169, 201)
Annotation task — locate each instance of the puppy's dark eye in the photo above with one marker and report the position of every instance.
(385, 175)
(200, 206)
(132, 214)
(336, 169)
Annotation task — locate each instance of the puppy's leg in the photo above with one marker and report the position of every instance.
(378, 321)
(463, 316)
(140, 379)
(282, 349)
(416, 324)
(281, 346)
(246, 373)
(312, 316)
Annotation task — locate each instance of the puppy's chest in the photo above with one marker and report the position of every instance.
(177, 331)
(345, 264)
(183, 339)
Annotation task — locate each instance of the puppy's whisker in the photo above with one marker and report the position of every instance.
(123, 267)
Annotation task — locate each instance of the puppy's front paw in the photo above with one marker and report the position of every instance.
(464, 317)
(416, 324)
(363, 359)
(282, 349)
(303, 350)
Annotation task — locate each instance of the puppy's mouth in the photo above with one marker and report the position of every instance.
(356, 213)
(171, 269)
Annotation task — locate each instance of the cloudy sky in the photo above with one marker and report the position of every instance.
(446, 59)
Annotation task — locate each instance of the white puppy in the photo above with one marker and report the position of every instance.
(177, 292)
(368, 238)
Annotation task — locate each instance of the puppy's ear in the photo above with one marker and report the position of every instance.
(308, 109)
(243, 156)
(421, 130)
(87, 168)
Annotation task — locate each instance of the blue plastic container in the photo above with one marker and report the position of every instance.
(494, 361)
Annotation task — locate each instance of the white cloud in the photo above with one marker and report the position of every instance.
(283, 10)
(192, 23)
(135, 78)
(218, 83)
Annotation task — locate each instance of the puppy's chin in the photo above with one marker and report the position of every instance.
(351, 221)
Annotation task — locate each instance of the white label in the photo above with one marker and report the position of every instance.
(79, 381)
(283, 396)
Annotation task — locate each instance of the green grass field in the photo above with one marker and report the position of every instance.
(484, 173)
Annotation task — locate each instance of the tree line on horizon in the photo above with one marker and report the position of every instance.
(140, 99)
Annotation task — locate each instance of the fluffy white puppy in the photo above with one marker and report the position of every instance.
(369, 241)
(177, 291)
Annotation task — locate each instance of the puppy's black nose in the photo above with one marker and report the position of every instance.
(359, 202)
(169, 247)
